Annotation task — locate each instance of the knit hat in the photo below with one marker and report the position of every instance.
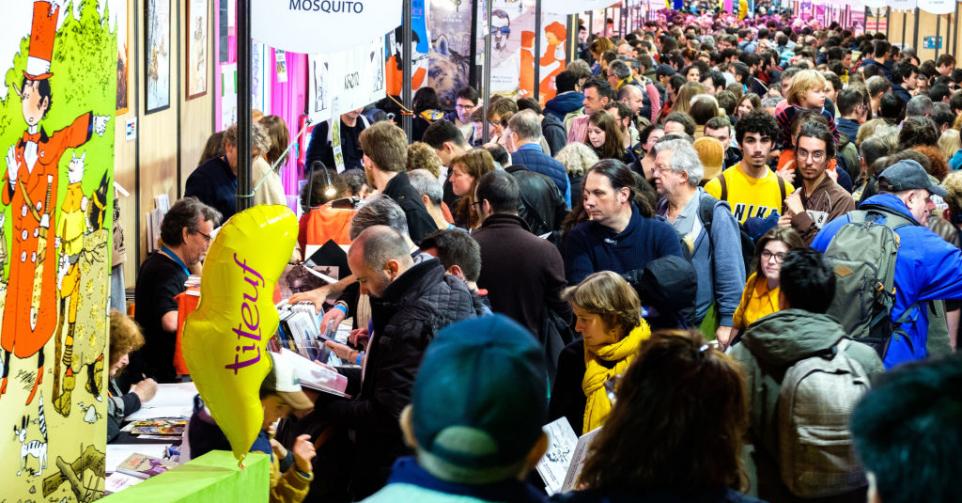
(479, 401)
(712, 155)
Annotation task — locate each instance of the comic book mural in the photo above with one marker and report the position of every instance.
(57, 103)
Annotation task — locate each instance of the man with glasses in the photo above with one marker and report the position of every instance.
(465, 103)
(927, 268)
(185, 234)
(820, 199)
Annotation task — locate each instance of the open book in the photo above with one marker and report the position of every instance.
(560, 467)
(317, 376)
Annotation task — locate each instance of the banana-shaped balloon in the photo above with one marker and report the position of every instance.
(225, 339)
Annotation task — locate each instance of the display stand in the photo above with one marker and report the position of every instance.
(211, 477)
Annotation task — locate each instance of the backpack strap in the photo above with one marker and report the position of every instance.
(893, 220)
(724, 187)
(782, 191)
(706, 209)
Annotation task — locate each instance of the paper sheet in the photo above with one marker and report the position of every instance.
(171, 400)
(117, 453)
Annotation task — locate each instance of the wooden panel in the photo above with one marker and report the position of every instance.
(157, 163)
(125, 159)
(196, 114)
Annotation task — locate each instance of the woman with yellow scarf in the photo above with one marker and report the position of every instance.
(608, 317)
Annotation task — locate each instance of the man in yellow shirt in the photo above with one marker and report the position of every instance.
(752, 189)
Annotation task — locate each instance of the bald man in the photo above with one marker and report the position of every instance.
(410, 302)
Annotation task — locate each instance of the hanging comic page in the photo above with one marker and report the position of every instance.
(58, 98)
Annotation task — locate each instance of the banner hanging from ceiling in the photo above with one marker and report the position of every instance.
(322, 26)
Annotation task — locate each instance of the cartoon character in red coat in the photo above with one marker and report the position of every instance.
(30, 189)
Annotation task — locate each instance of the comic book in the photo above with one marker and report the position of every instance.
(143, 466)
(165, 426)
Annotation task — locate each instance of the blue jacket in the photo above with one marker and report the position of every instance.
(534, 159)
(718, 263)
(592, 247)
(564, 103)
(848, 127)
(955, 162)
(410, 482)
(926, 268)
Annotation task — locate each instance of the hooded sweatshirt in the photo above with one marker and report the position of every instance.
(563, 104)
(775, 343)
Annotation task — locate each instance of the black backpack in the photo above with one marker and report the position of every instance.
(706, 209)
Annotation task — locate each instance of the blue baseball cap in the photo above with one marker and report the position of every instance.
(480, 400)
(909, 175)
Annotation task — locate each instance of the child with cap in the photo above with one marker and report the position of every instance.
(280, 394)
(475, 420)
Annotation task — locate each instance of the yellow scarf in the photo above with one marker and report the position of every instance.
(623, 352)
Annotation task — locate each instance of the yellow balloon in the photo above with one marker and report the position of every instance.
(225, 339)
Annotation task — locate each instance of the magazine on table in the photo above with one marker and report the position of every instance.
(165, 426)
(143, 466)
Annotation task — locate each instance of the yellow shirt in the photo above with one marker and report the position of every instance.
(757, 302)
(749, 196)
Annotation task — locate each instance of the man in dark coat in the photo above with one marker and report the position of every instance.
(385, 164)
(524, 275)
(410, 303)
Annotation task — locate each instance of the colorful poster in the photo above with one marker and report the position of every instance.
(56, 195)
(157, 54)
(117, 10)
(554, 33)
(449, 57)
(420, 53)
(509, 20)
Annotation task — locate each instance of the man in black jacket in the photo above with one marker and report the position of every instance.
(410, 303)
(524, 275)
(385, 163)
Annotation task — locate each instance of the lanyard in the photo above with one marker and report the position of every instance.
(173, 256)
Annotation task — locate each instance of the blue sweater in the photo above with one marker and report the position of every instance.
(718, 264)
(534, 159)
(592, 247)
(926, 268)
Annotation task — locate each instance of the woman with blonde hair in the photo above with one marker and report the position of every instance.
(808, 91)
(608, 317)
(422, 156)
(688, 91)
(266, 183)
(466, 170)
(676, 430)
(125, 338)
(577, 158)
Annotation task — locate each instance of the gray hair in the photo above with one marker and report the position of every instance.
(684, 158)
(427, 185)
(188, 212)
(526, 125)
(259, 139)
(620, 69)
(919, 106)
(577, 158)
(379, 210)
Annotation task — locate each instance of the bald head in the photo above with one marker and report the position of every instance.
(377, 257)
(631, 96)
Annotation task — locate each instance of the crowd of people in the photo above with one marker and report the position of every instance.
(733, 249)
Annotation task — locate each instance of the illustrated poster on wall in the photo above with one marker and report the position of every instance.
(449, 57)
(157, 54)
(197, 31)
(56, 193)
